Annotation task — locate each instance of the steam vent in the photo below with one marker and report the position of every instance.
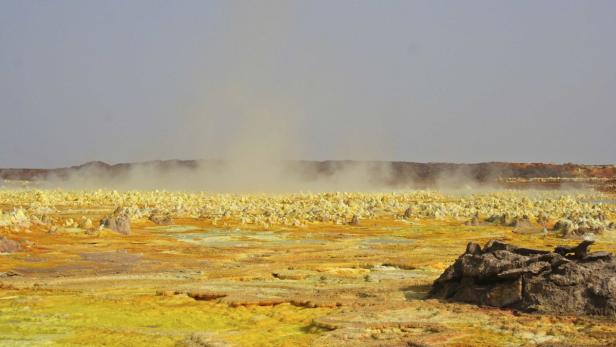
(568, 280)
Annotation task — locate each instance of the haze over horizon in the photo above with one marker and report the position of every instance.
(256, 82)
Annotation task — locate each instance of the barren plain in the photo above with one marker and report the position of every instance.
(197, 269)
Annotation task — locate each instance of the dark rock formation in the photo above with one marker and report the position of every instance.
(569, 280)
(354, 220)
(505, 220)
(473, 221)
(8, 245)
(499, 219)
(160, 218)
(408, 213)
(118, 221)
(521, 222)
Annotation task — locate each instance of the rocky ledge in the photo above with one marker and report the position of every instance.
(568, 280)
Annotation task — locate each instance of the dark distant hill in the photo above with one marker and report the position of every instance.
(423, 174)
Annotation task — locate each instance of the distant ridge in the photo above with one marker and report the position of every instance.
(401, 172)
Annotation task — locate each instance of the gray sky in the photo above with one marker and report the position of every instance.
(459, 81)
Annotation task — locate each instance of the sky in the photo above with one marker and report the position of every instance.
(425, 81)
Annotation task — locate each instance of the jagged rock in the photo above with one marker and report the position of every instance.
(521, 222)
(473, 221)
(10, 273)
(575, 229)
(45, 219)
(354, 220)
(497, 219)
(580, 251)
(569, 280)
(8, 245)
(118, 221)
(408, 213)
(565, 226)
(160, 218)
(523, 225)
(473, 248)
(542, 219)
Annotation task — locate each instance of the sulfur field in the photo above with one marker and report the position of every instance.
(157, 268)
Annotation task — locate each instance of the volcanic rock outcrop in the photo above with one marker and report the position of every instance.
(160, 218)
(118, 221)
(576, 228)
(568, 280)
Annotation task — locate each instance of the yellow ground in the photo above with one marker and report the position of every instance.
(197, 284)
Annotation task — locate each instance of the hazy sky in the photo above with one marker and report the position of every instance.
(461, 81)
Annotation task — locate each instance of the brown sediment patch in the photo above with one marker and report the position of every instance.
(59, 271)
(256, 302)
(203, 295)
(119, 256)
(9, 246)
(401, 266)
(528, 230)
(371, 330)
(292, 274)
(315, 304)
(10, 273)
